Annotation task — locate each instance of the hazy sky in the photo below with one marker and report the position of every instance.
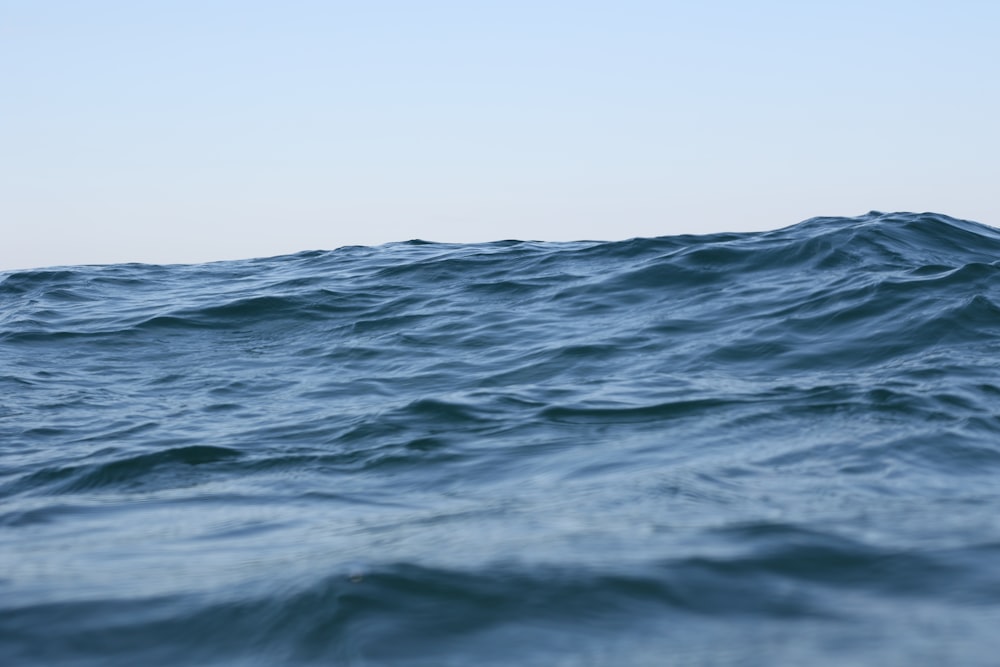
(182, 131)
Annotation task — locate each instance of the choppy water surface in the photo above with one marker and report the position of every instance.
(775, 448)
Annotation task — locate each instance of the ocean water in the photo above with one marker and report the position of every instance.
(777, 448)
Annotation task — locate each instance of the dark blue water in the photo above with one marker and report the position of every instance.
(776, 448)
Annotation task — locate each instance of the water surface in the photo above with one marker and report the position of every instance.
(776, 448)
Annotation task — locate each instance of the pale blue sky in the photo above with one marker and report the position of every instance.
(180, 131)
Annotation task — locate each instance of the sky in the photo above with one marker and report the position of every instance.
(190, 131)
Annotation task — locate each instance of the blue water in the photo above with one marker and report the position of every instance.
(776, 448)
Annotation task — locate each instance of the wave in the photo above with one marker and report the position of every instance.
(410, 614)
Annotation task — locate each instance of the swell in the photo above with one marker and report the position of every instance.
(123, 473)
(400, 612)
(944, 431)
(821, 274)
